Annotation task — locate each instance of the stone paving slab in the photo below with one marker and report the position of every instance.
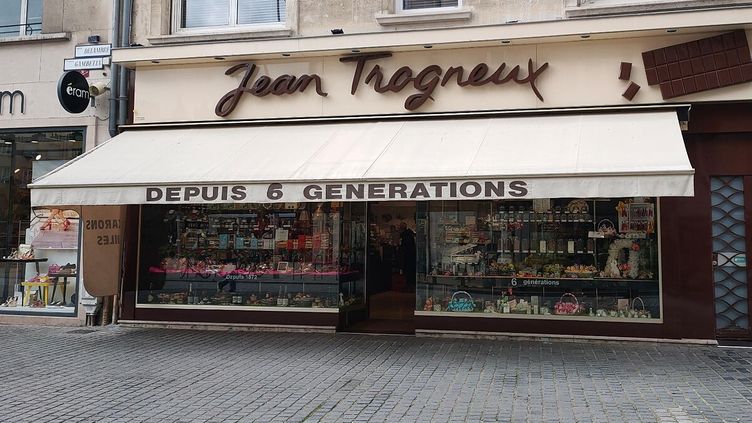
(118, 374)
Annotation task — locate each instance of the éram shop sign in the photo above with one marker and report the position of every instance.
(73, 92)
(425, 81)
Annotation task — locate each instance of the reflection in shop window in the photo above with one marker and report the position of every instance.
(558, 258)
(303, 255)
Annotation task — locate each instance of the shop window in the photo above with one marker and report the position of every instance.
(253, 256)
(20, 17)
(558, 259)
(422, 5)
(191, 15)
(39, 247)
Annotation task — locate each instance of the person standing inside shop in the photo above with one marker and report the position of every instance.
(407, 251)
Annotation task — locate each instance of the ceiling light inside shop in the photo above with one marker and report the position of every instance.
(34, 142)
(8, 142)
(17, 170)
(38, 157)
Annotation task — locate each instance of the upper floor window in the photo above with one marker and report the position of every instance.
(20, 17)
(198, 14)
(406, 5)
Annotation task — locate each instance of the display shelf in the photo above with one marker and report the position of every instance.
(555, 278)
(241, 308)
(561, 317)
(500, 222)
(34, 260)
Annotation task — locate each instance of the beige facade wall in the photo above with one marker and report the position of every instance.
(33, 64)
(317, 17)
(311, 18)
(579, 74)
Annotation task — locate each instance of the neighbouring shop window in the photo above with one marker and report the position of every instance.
(426, 4)
(197, 14)
(40, 247)
(291, 255)
(20, 17)
(558, 258)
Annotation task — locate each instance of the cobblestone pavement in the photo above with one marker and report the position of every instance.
(157, 375)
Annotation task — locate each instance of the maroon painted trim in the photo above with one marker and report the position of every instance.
(720, 118)
(748, 236)
(232, 316)
(541, 326)
(130, 262)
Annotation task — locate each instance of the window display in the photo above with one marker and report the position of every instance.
(291, 255)
(40, 247)
(557, 258)
(41, 282)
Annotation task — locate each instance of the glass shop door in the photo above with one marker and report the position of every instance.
(390, 269)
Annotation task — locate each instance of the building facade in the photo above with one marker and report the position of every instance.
(576, 168)
(39, 280)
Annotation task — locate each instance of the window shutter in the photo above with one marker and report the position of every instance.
(198, 13)
(260, 11)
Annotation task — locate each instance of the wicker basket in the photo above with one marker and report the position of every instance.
(642, 313)
(567, 307)
(461, 301)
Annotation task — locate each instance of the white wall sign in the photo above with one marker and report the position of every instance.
(93, 50)
(579, 74)
(81, 64)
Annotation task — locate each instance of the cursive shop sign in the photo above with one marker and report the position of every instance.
(424, 82)
(301, 192)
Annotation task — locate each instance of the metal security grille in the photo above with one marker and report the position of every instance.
(729, 255)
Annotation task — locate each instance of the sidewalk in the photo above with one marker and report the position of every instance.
(156, 375)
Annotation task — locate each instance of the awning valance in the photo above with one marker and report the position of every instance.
(587, 155)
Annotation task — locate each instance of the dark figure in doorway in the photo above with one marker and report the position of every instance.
(407, 252)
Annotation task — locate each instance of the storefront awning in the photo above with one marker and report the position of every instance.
(588, 155)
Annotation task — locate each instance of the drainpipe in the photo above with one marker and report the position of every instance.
(125, 41)
(114, 69)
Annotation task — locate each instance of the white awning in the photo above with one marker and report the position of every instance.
(583, 156)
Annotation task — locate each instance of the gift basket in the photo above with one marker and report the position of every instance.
(607, 228)
(568, 307)
(642, 312)
(580, 271)
(461, 301)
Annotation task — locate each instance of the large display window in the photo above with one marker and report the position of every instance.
(40, 247)
(290, 256)
(553, 258)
